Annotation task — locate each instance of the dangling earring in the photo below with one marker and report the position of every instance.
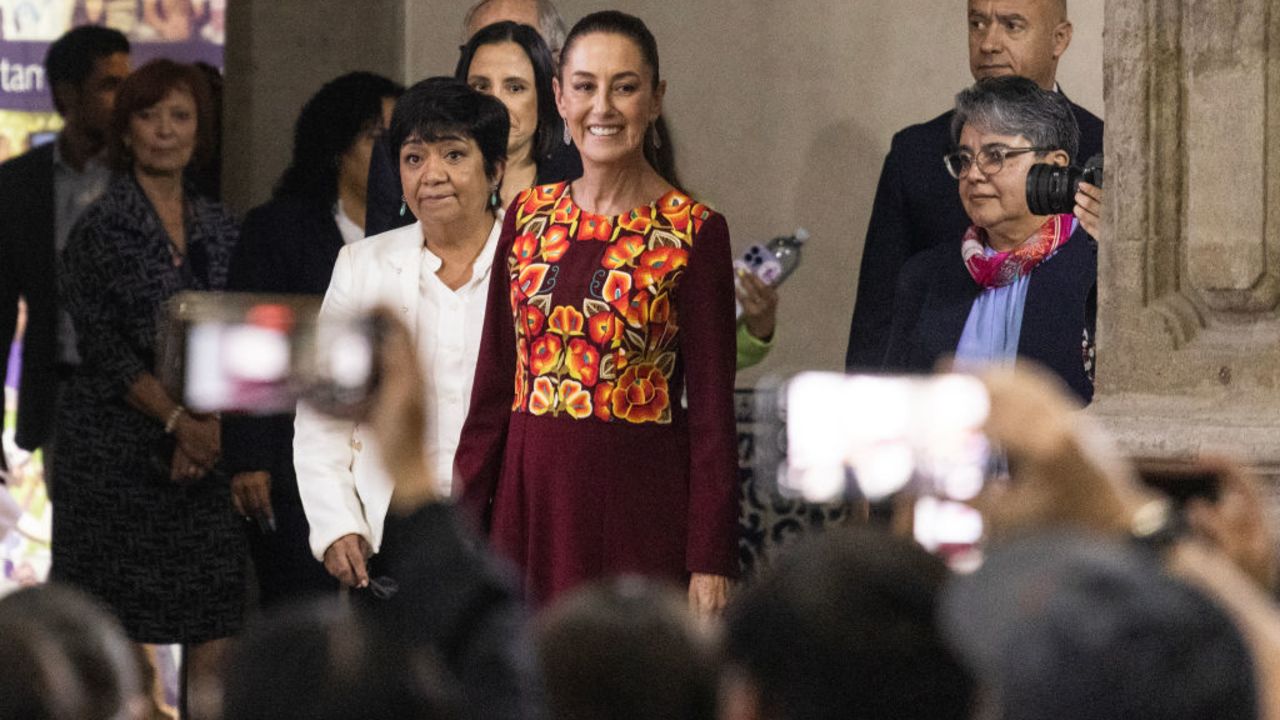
(495, 200)
(568, 139)
(403, 206)
(653, 134)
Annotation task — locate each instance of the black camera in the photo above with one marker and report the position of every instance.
(1051, 189)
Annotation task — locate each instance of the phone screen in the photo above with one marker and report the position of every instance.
(872, 436)
(258, 354)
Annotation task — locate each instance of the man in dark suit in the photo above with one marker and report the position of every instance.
(917, 204)
(43, 193)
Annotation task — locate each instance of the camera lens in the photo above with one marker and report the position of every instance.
(1051, 189)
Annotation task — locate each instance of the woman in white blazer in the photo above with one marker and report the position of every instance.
(450, 144)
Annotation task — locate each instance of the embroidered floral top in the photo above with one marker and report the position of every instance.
(611, 357)
(577, 455)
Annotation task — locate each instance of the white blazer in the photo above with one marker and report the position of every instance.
(343, 485)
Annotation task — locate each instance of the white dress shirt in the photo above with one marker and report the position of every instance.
(448, 334)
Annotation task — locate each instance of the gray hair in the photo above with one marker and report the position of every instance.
(1017, 106)
(550, 23)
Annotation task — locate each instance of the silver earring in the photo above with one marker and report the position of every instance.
(653, 133)
(403, 206)
(568, 139)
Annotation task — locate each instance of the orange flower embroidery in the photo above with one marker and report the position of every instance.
(543, 399)
(577, 402)
(700, 214)
(530, 280)
(604, 327)
(545, 354)
(536, 198)
(635, 310)
(565, 212)
(595, 227)
(524, 248)
(623, 251)
(675, 208)
(637, 221)
(616, 286)
(641, 395)
(566, 320)
(555, 241)
(603, 392)
(531, 319)
(583, 361)
(655, 264)
(522, 380)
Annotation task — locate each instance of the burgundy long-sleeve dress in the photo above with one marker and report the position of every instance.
(577, 455)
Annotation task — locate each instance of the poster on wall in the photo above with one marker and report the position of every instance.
(183, 30)
(190, 31)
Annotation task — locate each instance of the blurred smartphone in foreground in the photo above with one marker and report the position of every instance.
(829, 437)
(259, 354)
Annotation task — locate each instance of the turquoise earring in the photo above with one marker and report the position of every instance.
(403, 206)
(495, 200)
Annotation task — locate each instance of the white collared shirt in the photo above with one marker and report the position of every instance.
(347, 228)
(448, 334)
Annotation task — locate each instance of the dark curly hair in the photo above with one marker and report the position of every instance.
(330, 122)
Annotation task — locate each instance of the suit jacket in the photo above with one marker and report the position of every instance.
(935, 294)
(289, 246)
(917, 207)
(341, 480)
(28, 268)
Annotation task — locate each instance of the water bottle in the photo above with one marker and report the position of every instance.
(786, 250)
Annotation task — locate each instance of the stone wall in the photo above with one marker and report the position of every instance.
(1189, 268)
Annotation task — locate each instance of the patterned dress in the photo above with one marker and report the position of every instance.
(167, 558)
(577, 453)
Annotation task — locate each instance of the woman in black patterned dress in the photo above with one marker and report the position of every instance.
(142, 517)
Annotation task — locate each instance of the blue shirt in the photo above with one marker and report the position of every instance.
(994, 326)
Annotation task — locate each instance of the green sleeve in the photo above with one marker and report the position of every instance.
(751, 350)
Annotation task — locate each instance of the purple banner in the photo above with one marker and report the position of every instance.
(182, 30)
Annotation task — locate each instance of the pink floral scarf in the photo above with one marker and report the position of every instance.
(1003, 268)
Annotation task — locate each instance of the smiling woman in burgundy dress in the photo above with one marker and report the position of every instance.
(616, 297)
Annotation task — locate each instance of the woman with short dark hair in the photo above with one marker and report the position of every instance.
(142, 512)
(451, 147)
(1017, 284)
(289, 245)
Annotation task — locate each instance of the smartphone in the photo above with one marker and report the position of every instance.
(1181, 480)
(830, 437)
(761, 261)
(870, 436)
(259, 354)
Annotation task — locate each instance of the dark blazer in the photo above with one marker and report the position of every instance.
(382, 207)
(935, 294)
(28, 268)
(916, 207)
(288, 245)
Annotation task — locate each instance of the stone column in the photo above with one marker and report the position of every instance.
(1189, 268)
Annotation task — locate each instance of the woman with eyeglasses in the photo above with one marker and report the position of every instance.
(1016, 284)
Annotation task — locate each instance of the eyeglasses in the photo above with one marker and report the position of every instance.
(990, 159)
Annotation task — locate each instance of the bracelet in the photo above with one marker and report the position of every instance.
(171, 422)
